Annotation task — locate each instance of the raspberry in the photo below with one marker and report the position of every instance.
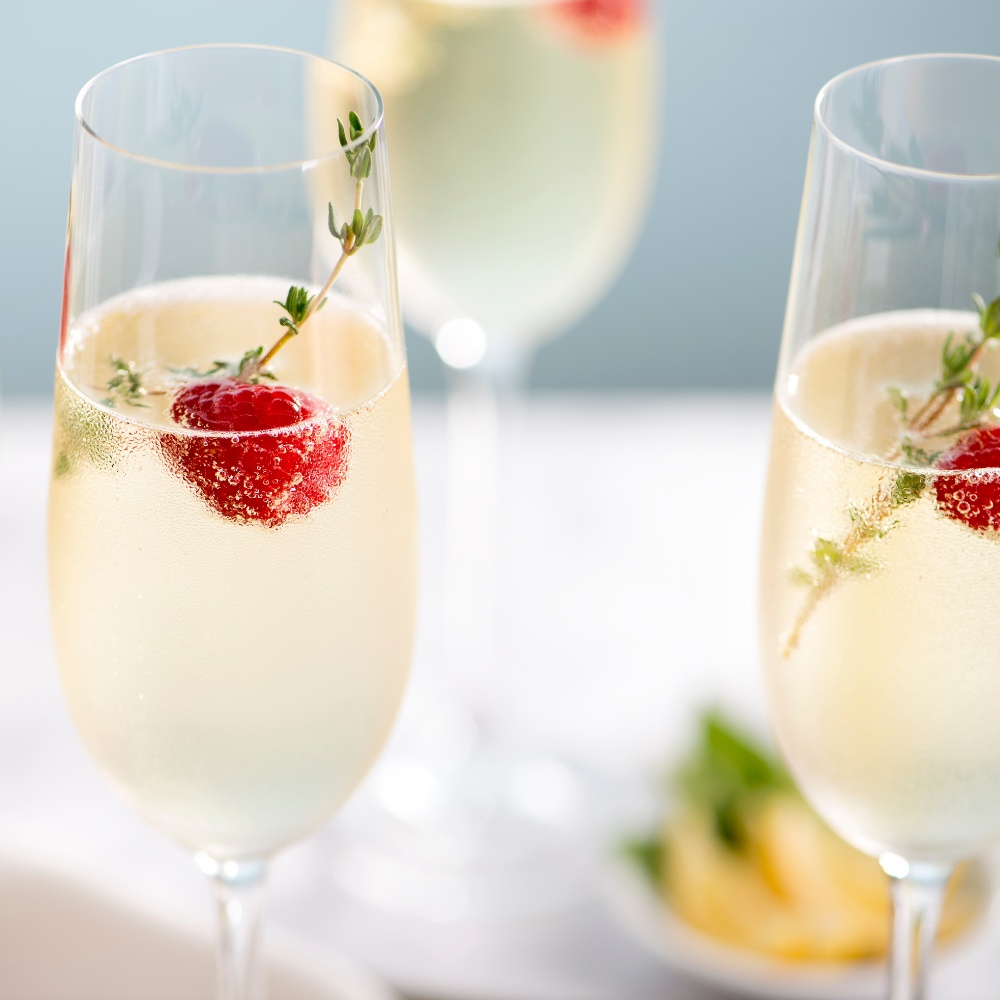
(973, 499)
(245, 473)
(599, 20)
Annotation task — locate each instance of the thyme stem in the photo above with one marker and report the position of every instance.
(864, 530)
(290, 332)
(353, 235)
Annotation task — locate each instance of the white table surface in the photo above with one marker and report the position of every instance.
(630, 528)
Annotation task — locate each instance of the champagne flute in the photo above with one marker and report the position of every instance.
(232, 514)
(523, 136)
(879, 553)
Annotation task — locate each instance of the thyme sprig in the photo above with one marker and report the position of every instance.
(247, 368)
(362, 230)
(960, 391)
(125, 384)
(831, 561)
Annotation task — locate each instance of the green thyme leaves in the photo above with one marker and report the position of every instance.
(298, 306)
(360, 231)
(250, 367)
(125, 385)
(900, 401)
(976, 399)
(916, 455)
(907, 488)
(360, 157)
(363, 229)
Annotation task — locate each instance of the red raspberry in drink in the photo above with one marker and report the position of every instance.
(275, 452)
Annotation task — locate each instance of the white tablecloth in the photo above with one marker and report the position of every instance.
(629, 536)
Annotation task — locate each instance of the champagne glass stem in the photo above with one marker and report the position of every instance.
(479, 401)
(507, 372)
(917, 894)
(238, 887)
(471, 555)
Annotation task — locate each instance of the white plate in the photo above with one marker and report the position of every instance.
(654, 924)
(64, 938)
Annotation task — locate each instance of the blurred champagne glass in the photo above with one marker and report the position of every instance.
(524, 137)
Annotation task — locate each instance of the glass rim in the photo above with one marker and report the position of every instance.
(300, 164)
(877, 161)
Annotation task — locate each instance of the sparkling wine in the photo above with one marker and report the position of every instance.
(884, 688)
(234, 681)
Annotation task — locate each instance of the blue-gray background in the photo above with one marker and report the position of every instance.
(702, 299)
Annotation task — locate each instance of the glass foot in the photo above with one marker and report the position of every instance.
(459, 825)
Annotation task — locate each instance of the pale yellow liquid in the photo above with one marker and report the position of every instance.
(234, 682)
(888, 707)
(522, 156)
